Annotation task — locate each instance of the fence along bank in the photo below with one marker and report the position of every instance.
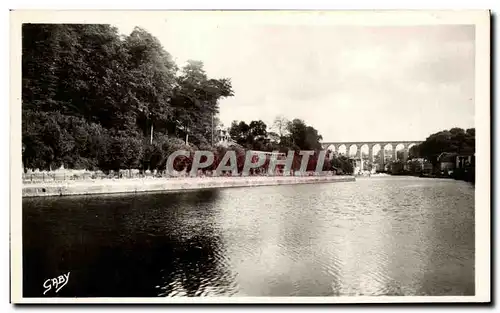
(135, 185)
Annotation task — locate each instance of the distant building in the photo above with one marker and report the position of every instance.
(419, 165)
(465, 160)
(447, 161)
(427, 167)
(222, 135)
(466, 166)
(396, 167)
(222, 138)
(272, 137)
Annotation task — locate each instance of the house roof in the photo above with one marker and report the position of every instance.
(447, 157)
(450, 157)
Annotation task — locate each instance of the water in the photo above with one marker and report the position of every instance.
(375, 236)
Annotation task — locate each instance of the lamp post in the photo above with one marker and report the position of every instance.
(22, 159)
(151, 139)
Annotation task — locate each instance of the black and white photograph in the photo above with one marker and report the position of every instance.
(250, 156)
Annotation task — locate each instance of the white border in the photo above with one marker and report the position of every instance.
(479, 18)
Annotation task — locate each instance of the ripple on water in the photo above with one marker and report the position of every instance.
(396, 236)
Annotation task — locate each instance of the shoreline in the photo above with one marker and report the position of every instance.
(143, 185)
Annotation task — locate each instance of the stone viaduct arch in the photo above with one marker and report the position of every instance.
(348, 144)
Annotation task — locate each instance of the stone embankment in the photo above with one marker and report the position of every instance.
(110, 186)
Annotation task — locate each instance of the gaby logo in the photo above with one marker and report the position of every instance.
(253, 160)
(56, 283)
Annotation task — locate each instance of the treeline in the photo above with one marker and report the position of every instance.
(92, 99)
(443, 146)
(284, 136)
(455, 140)
(339, 164)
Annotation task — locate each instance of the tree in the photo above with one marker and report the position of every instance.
(239, 132)
(196, 102)
(255, 136)
(258, 130)
(455, 140)
(252, 136)
(152, 80)
(414, 152)
(342, 163)
(280, 125)
(303, 136)
(92, 98)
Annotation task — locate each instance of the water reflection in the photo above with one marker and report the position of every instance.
(120, 246)
(391, 236)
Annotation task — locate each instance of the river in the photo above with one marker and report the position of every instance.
(376, 236)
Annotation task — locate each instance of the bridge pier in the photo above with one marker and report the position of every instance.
(382, 159)
(406, 152)
(336, 145)
(360, 155)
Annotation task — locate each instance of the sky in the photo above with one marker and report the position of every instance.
(351, 83)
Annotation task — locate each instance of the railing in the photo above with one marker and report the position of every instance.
(48, 177)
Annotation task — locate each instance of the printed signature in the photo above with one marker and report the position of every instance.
(57, 283)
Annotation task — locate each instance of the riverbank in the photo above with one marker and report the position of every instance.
(110, 186)
(459, 175)
(373, 175)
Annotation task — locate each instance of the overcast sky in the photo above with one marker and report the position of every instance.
(352, 83)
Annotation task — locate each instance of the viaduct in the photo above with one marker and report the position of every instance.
(336, 145)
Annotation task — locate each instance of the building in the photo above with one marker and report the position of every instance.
(222, 135)
(447, 162)
(222, 138)
(396, 167)
(465, 160)
(465, 167)
(419, 166)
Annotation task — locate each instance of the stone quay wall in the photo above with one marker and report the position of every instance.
(111, 186)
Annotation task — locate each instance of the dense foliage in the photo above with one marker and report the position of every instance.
(455, 140)
(295, 135)
(434, 155)
(286, 136)
(94, 99)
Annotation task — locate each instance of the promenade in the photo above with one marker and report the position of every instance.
(137, 185)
